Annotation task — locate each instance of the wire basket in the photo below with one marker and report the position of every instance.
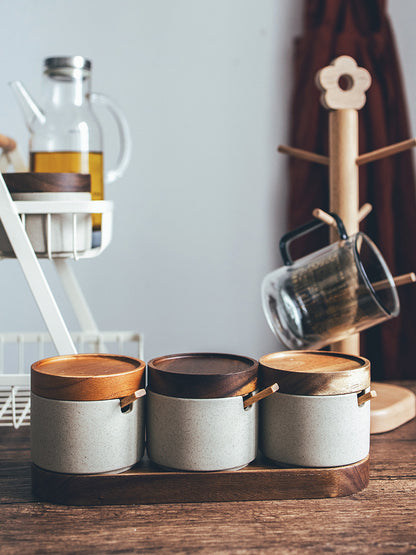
(65, 220)
(19, 350)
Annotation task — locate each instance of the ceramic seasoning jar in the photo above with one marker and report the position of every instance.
(320, 417)
(87, 416)
(196, 418)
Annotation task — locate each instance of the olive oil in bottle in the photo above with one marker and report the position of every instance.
(74, 162)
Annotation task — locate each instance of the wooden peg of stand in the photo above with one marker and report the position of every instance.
(303, 154)
(320, 214)
(398, 280)
(364, 211)
(360, 160)
(385, 151)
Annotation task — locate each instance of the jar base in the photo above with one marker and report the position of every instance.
(284, 465)
(106, 473)
(172, 469)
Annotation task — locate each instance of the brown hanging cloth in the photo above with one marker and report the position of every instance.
(362, 30)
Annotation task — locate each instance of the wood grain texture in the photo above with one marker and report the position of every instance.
(378, 520)
(343, 84)
(344, 187)
(31, 182)
(260, 395)
(303, 154)
(314, 372)
(393, 406)
(148, 484)
(87, 377)
(202, 375)
(385, 151)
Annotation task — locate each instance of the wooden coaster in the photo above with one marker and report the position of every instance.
(393, 406)
(147, 484)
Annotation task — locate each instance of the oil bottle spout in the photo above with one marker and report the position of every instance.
(31, 111)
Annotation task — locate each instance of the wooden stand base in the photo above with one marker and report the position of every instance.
(393, 406)
(146, 484)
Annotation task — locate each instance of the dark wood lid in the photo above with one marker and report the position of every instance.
(315, 372)
(202, 375)
(31, 182)
(87, 377)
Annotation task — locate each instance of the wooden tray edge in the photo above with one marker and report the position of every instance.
(253, 483)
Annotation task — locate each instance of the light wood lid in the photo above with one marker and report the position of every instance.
(37, 182)
(315, 372)
(202, 375)
(87, 377)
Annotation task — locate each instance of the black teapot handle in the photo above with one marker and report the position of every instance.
(306, 228)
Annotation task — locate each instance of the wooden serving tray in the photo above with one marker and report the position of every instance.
(147, 484)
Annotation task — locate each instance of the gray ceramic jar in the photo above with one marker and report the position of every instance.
(85, 414)
(196, 419)
(320, 417)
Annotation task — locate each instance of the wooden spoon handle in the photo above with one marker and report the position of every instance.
(261, 395)
(366, 397)
(124, 401)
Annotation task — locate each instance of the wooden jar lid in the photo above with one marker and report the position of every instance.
(33, 182)
(202, 375)
(315, 372)
(87, 377)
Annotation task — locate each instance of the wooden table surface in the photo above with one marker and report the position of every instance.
(379, 519)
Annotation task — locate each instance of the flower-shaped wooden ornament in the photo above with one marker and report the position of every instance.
(343, 84)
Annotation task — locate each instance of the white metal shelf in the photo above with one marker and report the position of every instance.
(19, 350)
(49, 212)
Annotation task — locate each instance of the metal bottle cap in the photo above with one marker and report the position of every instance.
(70, 62)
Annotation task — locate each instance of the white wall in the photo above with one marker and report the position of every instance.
(205, 87)
(402, 15)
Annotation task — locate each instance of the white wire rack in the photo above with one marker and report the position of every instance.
(66, 217)
(19, 350)
(52, 223)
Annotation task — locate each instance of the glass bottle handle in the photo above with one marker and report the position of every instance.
(124, 133)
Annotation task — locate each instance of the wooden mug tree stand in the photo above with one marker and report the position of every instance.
(393, 405)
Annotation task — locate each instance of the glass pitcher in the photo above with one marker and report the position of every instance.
(330, 294)
(65, 133)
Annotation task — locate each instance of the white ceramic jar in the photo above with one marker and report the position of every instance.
(79, 424)
(196, 419)
(320, 417)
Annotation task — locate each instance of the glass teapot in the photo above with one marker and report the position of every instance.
(65, 133)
